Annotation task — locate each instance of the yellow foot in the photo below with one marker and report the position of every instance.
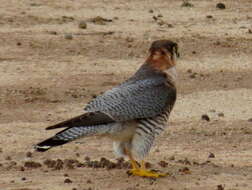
(145, 173)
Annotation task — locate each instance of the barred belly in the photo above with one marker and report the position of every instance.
(145, 134)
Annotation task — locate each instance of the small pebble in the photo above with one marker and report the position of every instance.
(211, 155)
(186, 4)
(151, 11)
(221, 114)
(220, 6)
(68, 36)
(82, 24)
(67, 180)
(249, 31)
(193, 75)
(250, 120)
(53, 32)
(205, 117)
(209, 16)
(89, 181)
(23, 178)
(29, 154)
(220, 187)
(163, 163)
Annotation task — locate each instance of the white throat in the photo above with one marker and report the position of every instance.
(172, 72)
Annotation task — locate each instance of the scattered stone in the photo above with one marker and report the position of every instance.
(209, 16)
(87, 159)
(220, 6)
(82, 24)
(220, 187)
(221, 114)
(250, 120)
(193, 52)
(71, 163)
(31, 164)
(205, 117)
(66, 175)
(155, 18)
(249, 31)
(89, 181)
(147, 165)
(19, 43)
(100, 20)
(170, 25)
(163, 164)
(185, 161)
(185, 170)
(21, 168)
(67, 180)
(52, 32)
(193, 75)
(151, 11)
(77, 154)
(1, 150)
(189, 70)
(186, 3)
(211, 155)
(29, 154)
(23, 178)
(159, 15)
(54, 164)
(68, 36)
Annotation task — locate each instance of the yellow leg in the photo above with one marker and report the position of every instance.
(142, 171)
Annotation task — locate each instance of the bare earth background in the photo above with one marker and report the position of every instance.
(47, 77)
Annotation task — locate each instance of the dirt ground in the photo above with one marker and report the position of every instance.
(50, 67)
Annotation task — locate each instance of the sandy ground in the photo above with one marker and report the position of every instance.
(46, 78)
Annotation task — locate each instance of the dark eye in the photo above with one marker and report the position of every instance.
(162, 52)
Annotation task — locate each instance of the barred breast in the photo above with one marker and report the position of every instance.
(152, 126)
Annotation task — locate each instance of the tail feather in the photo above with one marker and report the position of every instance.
(86, 119)
(49, 143)
(72, 133)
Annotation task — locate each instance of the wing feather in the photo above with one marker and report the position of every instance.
(134, 100)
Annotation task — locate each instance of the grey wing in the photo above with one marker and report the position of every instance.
(141, 99)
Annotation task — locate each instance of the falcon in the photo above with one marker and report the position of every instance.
(132, 114)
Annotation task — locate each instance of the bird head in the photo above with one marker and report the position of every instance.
(163, 54)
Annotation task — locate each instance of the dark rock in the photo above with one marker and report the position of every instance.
(220, 6)
(29, 154)
(82, 24)
(67, 180)
(68, 36)
(163, 164)
(211, 155)
(220, 187)
(205, 117)
(186, 4)
(31, 164)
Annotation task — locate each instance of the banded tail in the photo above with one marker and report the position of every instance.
(80, 126)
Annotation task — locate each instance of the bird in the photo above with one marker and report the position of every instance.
(132, 113)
